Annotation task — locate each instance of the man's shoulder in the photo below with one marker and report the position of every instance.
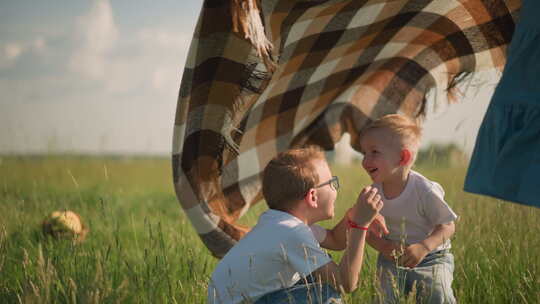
(278, 220)
(278, 225)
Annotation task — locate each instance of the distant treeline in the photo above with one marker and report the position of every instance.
(442, 155)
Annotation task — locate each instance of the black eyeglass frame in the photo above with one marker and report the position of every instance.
(333, 182)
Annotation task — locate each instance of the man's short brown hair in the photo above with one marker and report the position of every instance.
(289, 176)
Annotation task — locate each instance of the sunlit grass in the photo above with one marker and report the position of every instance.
(142, 249)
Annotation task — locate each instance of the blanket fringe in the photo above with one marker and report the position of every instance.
(246, 20)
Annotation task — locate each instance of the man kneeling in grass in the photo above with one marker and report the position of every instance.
(279, 260)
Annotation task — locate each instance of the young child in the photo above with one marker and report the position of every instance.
(415, 254)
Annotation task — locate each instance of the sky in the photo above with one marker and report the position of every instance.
(102, 77)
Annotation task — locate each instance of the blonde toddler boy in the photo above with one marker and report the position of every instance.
(415, 253)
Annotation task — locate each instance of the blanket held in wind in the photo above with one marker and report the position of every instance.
(264, 76)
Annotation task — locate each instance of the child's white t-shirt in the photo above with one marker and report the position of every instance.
(413, 215)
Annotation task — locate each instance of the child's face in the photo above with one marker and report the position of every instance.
(382, 155)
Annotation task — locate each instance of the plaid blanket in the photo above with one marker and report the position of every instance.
(333, 66)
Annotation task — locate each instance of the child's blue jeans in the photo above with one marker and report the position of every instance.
(308, 293)
(432, 279)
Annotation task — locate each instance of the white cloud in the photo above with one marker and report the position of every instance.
(97, 35)
(127, 62)
(161, 78)
(9, 53)
(156, 37)
(39, 44)
(151, 59)
(167, 52)
(95, 87)
(12, 51)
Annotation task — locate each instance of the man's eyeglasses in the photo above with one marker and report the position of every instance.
(333, 182)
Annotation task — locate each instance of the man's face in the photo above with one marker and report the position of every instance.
(326, 195)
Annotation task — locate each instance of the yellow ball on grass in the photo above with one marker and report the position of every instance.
(65, 225)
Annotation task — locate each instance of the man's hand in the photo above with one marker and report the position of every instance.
(367, 206)
(413, 255)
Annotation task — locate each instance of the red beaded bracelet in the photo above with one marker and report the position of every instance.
(355, 225)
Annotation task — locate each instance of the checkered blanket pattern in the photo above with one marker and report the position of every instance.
(338, 65)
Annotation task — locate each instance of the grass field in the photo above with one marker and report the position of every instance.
(142, 249)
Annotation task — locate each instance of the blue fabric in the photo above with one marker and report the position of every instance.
(303, 293)
(432, 279)
(506, 159)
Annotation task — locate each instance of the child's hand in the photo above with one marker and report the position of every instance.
(413, 255)
(367, 206)
(392, 251)
(378, 226)
(389, 249)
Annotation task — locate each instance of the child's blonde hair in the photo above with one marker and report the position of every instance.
(401, 128)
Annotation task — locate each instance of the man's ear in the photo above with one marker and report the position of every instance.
(311, 198)
(405, 157)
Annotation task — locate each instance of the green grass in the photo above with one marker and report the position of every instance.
(142, 249)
